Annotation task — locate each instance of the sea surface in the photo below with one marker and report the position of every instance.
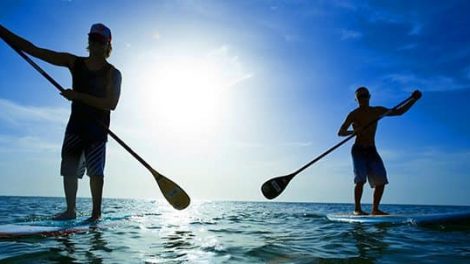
(149, 231)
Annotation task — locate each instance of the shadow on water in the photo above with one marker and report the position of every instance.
(173, 246)
(75, 248)
(324, 242)
(178, 240)
(97, 244)
(370, 242)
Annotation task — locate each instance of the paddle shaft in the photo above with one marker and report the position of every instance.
(351, 136)
(61, 89)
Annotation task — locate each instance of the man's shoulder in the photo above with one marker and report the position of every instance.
(74, 59)
(365, 111)
(78, 58)
(379, 109)
(115, 70)
(355, 111)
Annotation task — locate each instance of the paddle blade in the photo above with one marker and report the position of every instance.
(272, 188)
(174, 194)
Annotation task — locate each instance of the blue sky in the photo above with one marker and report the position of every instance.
(220, 96)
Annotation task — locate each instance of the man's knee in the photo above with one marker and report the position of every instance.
(360, 184)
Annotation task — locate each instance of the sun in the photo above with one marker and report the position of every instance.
(185, 95)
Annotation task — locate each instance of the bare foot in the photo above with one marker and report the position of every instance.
(65, 216)
(359, 212)
(378, 212)
(93, 219)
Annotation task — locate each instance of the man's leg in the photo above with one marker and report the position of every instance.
(70, 190)
(378, 180)
(72, 167)
(378, 192)
(96, 157)
(96, 187)
(357, 198)
(360, 176)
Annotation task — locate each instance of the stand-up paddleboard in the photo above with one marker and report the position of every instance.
(402, 218)
(46, 228)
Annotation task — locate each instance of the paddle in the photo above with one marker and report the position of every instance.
(275, 186)
(174, 194)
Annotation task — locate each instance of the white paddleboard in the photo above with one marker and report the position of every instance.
(402, 218)
(45, 228)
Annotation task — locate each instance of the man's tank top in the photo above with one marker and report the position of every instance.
(85, 120)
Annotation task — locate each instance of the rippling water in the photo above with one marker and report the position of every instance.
(139, 231)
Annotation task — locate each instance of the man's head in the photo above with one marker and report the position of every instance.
(99, 39)
(362, 95)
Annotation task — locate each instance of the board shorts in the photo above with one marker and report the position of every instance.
(368, 166)
(79, 155)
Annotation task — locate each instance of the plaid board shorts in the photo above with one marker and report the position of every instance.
(368, 166)
(79, 155)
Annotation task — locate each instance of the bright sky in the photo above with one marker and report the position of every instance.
(221, 96)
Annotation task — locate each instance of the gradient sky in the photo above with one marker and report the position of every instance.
(221, 96)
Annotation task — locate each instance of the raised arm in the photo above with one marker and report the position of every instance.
(56, 58)
(343, 130)
(404, 108)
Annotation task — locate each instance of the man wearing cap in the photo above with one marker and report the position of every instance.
(95, 92)
(367, 163)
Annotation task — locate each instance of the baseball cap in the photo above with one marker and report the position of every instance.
(100, 33)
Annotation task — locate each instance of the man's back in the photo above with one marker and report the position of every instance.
(361, 117)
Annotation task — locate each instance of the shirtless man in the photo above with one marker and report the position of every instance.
(368, 164)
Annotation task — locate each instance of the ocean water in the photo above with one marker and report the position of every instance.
(141, 231)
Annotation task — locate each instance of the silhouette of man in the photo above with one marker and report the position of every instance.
(95, 92)
(368, 165)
